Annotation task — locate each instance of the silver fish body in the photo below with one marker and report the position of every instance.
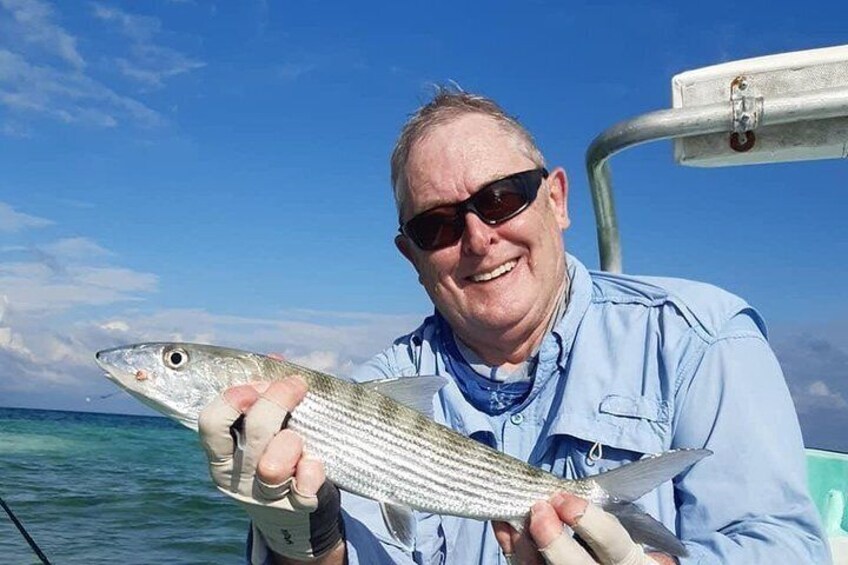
(379, 448)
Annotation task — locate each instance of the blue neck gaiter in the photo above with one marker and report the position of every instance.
(494, 396)
(489, 396)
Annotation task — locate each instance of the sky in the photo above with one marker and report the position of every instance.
(218, 172)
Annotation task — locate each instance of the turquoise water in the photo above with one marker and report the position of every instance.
(98, 488)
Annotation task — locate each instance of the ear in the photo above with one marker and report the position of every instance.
(558, 196)
(405, 247)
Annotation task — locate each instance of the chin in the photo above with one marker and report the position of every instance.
(501, 320)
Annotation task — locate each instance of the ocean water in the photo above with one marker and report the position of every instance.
(101, 488)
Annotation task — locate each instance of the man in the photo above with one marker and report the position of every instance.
(572, 371)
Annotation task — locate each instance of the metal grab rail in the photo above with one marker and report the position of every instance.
(685, 122)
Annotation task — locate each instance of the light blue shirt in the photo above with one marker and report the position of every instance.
(637, 365)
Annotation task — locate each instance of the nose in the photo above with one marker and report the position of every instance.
(478, 236)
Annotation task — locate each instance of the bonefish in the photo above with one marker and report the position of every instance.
(378, 440)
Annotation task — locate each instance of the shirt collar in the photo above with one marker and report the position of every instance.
(556, 346)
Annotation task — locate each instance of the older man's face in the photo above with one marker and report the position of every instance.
(450, 164)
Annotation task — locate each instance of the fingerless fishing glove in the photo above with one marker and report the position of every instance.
(290, 523)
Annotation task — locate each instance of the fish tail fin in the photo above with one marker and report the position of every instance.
(629, 482)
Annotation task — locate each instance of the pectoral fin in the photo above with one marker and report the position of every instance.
(415, 392)
(400, 522)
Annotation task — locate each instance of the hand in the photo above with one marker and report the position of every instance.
(609, 542)
(262, 466)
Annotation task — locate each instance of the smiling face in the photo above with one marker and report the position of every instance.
(498, 282)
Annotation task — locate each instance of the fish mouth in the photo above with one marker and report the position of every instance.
(110, 361)
(100, 359)
(119, 368)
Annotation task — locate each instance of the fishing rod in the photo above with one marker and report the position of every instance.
(27, 537)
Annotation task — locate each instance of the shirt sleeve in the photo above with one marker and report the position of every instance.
(748, 502)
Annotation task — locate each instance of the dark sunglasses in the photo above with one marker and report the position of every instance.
(494, 203)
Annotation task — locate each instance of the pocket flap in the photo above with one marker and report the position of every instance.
(635, 407)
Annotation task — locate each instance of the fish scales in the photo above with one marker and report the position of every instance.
(341, 422)
(376, 447)
(475, 484)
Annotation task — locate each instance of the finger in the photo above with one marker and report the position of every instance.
(309, 478)
(217, 418)
(516, 546)
(568, 507)
(260, 386)
(553, 538)
(544, 526)
(564, 550)
(602, 531)
(287, 393)
(242, 397)
(278, 463)
(266, 417)
(526, 551)
(503, 534)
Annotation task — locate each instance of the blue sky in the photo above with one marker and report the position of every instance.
(218, 171)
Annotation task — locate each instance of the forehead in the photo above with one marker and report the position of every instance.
(455, 158)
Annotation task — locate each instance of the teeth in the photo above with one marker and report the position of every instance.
(502, 270)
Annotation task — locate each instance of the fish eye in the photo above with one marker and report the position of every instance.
(175, 358)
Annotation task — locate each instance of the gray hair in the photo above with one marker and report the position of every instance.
(449, 104)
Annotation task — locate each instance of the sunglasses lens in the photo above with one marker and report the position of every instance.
(500, 200)
(434, 229)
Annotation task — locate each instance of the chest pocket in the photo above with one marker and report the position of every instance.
(623, 429)
(634, 423)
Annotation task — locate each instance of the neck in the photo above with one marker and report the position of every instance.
(497, 347)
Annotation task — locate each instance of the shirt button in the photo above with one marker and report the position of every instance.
(516, 419)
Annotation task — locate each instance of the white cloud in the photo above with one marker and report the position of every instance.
(14, 221)
(35, 26)
(116, 326)
(137, 27)
(815, 361)
(326, 361)
(65, 273)
(817, 395)
(116, 278)
(41, 288)
(44, 74)
(148, 62)
(67, 96)
(14, 129)
(76, 248)
(153, 64)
